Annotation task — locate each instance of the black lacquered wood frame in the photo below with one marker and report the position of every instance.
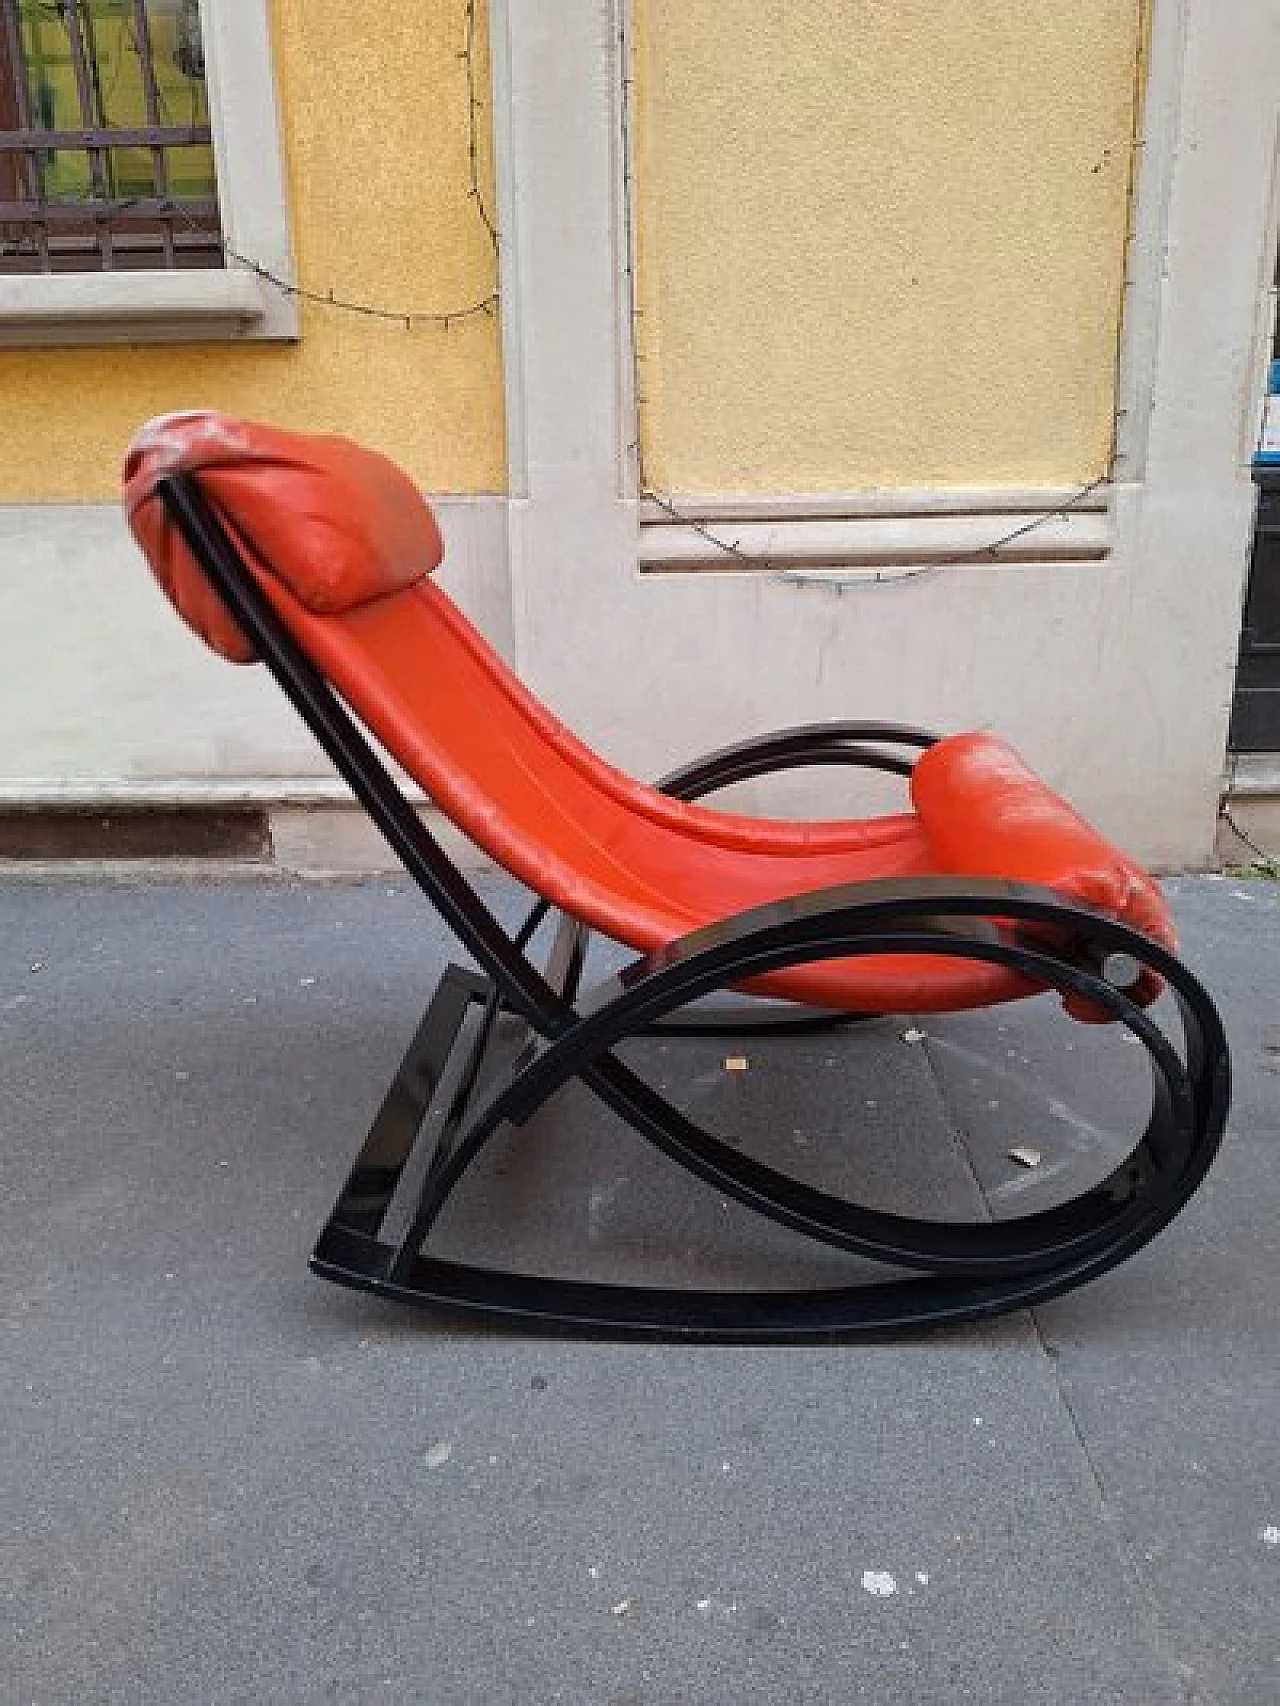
(454, 1090)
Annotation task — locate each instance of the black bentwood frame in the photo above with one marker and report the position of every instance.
(447, 1082)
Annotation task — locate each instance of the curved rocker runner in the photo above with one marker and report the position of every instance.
(316, 556)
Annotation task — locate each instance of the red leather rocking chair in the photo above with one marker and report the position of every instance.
(316, 556)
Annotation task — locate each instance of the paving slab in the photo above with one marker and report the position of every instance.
(1171, 1365)
(224, 1481)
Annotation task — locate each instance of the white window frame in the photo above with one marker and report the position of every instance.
(232, 302)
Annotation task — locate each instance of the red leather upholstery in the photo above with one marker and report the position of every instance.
(344, 526)
(343, 546)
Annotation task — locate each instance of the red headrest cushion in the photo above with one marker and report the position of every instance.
(337, 525)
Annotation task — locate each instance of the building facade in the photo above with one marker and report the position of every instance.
(831, 359)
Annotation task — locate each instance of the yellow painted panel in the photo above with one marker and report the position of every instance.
(880, 242)
(376, 120)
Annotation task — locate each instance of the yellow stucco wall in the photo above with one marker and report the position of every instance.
(375, 112)
(880, 242)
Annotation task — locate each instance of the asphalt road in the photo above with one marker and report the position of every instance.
(223, 1481)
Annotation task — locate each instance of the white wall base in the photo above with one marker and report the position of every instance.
(333, 840)
(103, 691)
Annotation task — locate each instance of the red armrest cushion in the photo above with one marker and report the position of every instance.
(987, 815)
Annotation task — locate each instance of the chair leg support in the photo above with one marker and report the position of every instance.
(373, 1181)
(435, 1188)
(586, 1309)
(968, 1272)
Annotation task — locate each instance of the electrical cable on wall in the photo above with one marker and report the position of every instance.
(1269, 862)
(761, 562)
(410, 318)
(487, 303)
(871, 577)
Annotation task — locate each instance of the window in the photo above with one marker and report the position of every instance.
(133, 196)
(108, 160)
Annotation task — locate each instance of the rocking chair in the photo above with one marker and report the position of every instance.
(315, 556)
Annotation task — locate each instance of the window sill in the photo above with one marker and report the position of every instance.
(43, 310)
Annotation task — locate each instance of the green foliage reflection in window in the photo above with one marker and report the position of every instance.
(121, 64)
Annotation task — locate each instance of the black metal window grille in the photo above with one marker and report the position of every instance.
(106, 151)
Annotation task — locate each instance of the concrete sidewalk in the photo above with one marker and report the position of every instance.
(223, 1481)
